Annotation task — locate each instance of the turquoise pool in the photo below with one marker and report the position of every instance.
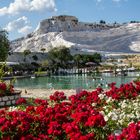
(73, 81)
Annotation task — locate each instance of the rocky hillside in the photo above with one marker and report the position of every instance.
(81, 36)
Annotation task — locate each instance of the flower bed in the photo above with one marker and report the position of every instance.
(96, 115)
(8, 96)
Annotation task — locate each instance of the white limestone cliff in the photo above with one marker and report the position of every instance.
(88, 37)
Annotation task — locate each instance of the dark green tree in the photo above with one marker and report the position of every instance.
(97, 57)
(81, 59)
(102, 22)
(59, 58)
(26, 53)
(78, 59)
(4, 45)
(43, 50)
(35, 57)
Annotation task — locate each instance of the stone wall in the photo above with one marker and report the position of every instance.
(9, 100)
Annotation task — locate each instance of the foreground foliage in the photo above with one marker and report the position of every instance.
(4, 45)
(96, 115)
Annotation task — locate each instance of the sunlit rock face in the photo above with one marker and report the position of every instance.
(81, 36)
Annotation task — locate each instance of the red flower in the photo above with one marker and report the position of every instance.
(6, 138)
(129, 133)
(96, 121)
(11, 89)
(3, 86)
(58, 96)
(54, 128)
(28, 137)
(21, 101)
(44, 137)
(30, 109)
(74, 119)
(72, 130)
(2, 121)
(80, 117)
(41, 102)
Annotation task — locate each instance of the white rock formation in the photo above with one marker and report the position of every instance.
(89, 37)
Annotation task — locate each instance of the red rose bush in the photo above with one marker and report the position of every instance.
(96, 115)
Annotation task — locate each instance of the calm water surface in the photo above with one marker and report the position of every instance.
(74, 81)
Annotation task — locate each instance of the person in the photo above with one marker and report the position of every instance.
(100, 85)
(106, 85)
(94, 79)
(50, 85)
(25, 91)
(101, 79)
(78, 90)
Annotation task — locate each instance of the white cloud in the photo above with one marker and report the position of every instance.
(20, 25)
(98, 0)
(38, 5)
(116, 0)
(112, 0)
(17, 24)
(28, 5)
(25, 30)
(119, 1)
(3, 11)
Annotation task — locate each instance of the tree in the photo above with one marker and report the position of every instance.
(4, 45)
(35, 57)
(97, 57)
(43, 50)
(77, 59)
(82, 59)
(26, 52)
(134, 21)
(59, 58)
(102, 22)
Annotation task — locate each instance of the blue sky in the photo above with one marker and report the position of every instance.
(20, 17)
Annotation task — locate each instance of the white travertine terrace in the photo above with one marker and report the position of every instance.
(68, 31)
